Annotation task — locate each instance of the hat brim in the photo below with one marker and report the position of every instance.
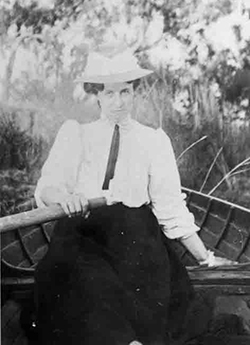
(115, 78)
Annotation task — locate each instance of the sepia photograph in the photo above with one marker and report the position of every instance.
(125, 172)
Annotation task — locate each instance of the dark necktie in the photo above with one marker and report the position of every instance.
(113, 154)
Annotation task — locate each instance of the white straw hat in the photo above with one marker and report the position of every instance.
(117, 69)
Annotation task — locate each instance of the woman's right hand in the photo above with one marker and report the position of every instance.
(74, 204)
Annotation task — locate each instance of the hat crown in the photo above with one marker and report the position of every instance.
(104, 66)
(121, 67)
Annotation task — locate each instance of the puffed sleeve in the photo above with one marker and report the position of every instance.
(168, 202)
(61, 167)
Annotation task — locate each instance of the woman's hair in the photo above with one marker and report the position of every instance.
(94, 88)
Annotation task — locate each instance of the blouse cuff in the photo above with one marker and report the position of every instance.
(41, 185)
(178, 232)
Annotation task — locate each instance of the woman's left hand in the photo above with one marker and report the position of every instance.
(218, 261)
(204, 256)
(215, 261)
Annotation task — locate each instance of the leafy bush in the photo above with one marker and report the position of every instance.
(20, 161)
(15, 188)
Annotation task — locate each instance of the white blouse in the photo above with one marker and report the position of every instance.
(145, 173)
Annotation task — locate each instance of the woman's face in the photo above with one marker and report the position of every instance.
(116, 100)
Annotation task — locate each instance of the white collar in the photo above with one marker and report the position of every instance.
(125, 124)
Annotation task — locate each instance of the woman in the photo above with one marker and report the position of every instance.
(110, 276)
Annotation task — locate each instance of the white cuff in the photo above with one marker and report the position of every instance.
(210, 260)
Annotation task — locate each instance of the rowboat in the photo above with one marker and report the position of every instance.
(225, 229)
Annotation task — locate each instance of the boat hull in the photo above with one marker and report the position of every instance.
(224, 228)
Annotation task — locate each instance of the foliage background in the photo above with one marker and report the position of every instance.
(200, 51)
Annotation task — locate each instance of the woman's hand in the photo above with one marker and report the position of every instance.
(205, 257)
(74, 204)
(218, 261)
(215, 261)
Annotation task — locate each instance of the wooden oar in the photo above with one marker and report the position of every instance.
(40, 215)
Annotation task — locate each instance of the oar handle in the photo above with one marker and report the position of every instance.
(41, 215)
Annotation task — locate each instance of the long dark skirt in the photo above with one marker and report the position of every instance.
(110, 279)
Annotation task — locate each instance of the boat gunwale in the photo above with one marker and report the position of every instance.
(228, 203)
(24, 271)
